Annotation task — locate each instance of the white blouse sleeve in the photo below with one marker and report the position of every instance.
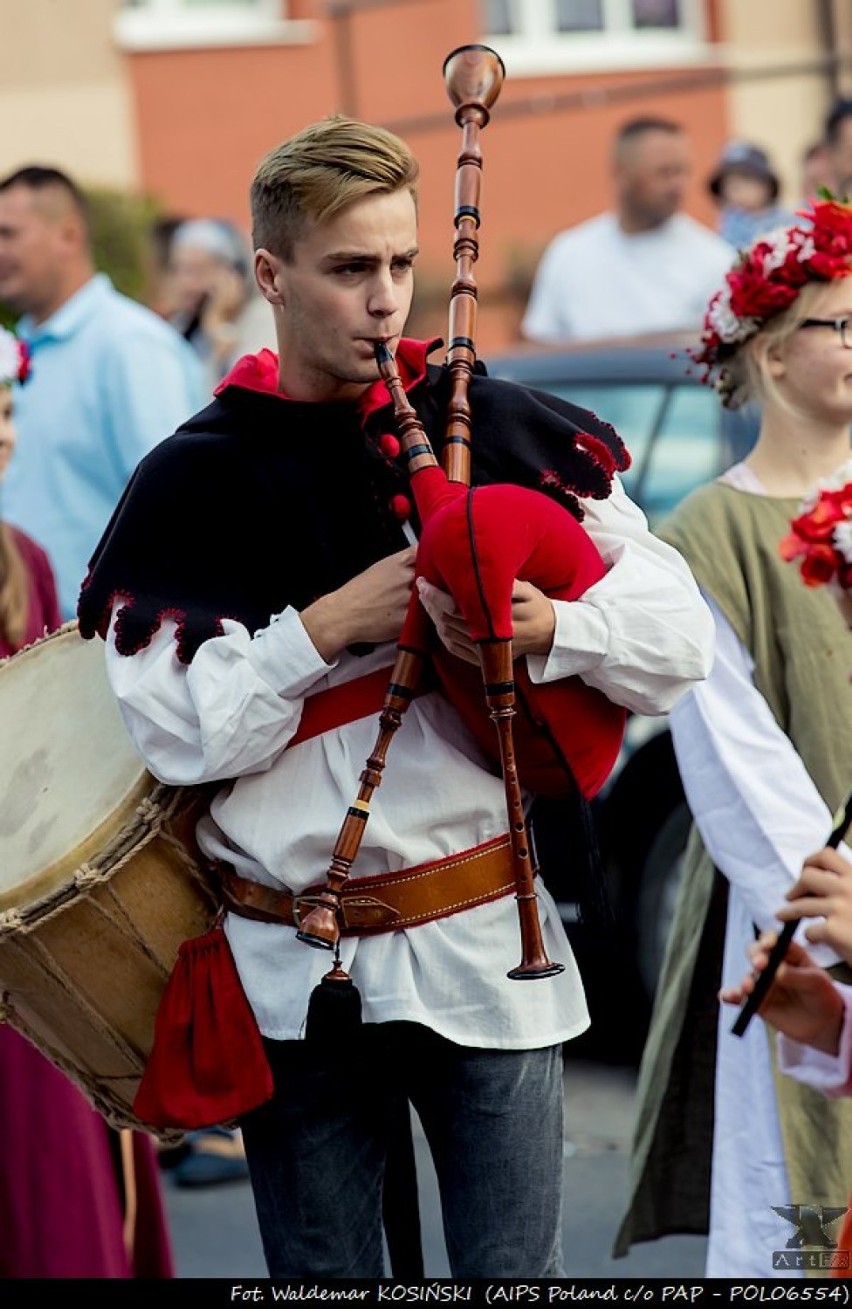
(230, 712)
(753, 801)
(831, 1074)
(642, 635)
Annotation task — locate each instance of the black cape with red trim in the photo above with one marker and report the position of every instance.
(260, 502)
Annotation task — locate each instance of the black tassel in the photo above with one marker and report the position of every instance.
(334, 1010)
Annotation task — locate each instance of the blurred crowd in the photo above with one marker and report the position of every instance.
(206, 290)
(646, 265)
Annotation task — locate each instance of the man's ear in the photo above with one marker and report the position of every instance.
(72, 236)
(265, 272)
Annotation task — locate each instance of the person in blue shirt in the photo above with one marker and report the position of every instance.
(110, 377)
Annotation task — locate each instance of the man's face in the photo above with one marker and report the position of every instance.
(651, 176)
(348, 285)
(817, 171)
(32, 245)
(841, 158)
(192, 275)
(746, 190)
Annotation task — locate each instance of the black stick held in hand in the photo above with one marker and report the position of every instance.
(842, 822)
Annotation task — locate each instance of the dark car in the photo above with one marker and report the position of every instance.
(679, 436)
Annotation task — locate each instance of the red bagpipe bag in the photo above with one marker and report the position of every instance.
(207, 1064)
(474, 544)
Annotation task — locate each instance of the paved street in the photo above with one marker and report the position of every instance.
(215, 1233)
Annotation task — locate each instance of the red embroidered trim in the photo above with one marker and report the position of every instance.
(619, 453)
(598, 451)
(550, 480)
(127, 645)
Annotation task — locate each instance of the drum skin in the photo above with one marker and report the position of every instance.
(100, 876)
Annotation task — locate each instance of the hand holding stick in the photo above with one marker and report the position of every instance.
(842, 822)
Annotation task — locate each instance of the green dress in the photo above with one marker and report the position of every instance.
(802, 655)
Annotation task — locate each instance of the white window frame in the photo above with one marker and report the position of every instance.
(536, 46)
(172, 24)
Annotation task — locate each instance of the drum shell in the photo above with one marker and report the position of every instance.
(82, 974)
(84, 965)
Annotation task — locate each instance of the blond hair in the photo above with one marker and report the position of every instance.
(14, 591)
(745, 374)
(317, 173)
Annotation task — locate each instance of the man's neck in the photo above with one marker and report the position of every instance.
(70, 286)
(634, 224)
(309, 389)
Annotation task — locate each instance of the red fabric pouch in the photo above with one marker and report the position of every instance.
(207, 1064)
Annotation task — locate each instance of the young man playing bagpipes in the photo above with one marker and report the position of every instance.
(251, 589)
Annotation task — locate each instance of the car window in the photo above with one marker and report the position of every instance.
(689, 448)
(675, 435)
(633, 409)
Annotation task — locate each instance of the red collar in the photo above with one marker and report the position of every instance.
(260, 373)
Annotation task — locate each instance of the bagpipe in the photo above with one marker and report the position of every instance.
(475, 541)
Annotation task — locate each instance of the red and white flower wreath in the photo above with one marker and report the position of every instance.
(768, 276)
(821, 535)
(14, 358)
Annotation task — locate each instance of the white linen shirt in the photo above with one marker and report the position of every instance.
(642, 634)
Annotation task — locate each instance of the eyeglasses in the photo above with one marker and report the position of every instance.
(839, 325)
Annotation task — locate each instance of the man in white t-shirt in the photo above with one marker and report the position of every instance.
(644, 267)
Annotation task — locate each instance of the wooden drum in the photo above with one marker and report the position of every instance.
(100, 876)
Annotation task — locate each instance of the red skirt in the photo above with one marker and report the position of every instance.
(61, 1180)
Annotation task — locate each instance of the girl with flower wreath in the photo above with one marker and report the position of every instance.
(722, 1139)
(72, 1202)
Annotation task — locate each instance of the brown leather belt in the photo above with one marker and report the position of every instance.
(391, 901)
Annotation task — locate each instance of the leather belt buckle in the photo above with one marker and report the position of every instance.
(356, 912)
(309, 902)
(362, 911)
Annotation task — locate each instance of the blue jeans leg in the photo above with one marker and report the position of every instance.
(493, 1120)
(316, 1156)
(494, 1123)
